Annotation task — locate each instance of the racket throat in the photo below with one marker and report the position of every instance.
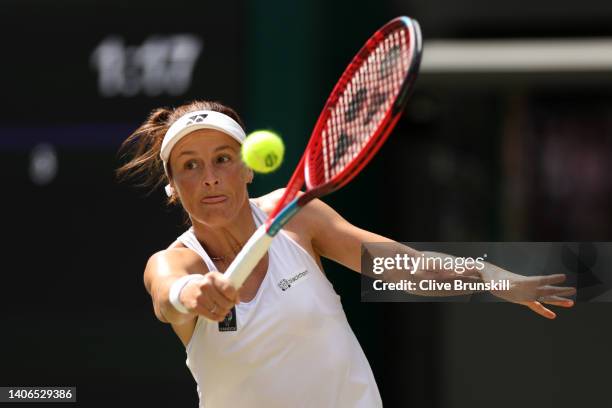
(283, 217)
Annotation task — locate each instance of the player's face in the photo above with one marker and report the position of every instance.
(209, 176)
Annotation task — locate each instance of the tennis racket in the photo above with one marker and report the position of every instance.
(361, 111)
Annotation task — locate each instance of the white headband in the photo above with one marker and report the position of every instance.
(192, 121)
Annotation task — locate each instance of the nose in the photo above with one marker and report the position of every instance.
(210, 177)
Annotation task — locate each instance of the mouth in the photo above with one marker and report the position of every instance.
(213, 199)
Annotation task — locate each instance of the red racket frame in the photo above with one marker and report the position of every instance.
(302, 173)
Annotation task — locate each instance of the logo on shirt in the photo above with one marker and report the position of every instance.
(285, 284)
(229, 323)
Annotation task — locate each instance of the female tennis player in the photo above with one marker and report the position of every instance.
(282, 339)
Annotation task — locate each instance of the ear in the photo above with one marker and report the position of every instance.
(169, 190)
(250, 176)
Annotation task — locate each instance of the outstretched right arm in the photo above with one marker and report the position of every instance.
(211, 296)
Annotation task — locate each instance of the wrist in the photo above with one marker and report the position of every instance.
(177, 287)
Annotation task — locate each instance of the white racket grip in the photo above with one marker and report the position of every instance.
(246, 260)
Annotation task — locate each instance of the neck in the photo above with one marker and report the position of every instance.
(223, 243)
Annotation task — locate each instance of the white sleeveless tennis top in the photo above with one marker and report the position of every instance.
(291, 347)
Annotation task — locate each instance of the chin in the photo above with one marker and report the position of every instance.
(215, 217)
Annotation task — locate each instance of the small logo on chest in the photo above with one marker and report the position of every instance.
(285, 284)
(230, 322)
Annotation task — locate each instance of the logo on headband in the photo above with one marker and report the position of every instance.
(196, 119)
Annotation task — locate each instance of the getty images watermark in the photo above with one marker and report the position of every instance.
(486, 271)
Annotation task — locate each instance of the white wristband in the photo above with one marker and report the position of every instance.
(177, 287)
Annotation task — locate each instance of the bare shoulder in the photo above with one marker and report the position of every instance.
(268, 202)
(175, 260)
(176, 257)
(314, 214)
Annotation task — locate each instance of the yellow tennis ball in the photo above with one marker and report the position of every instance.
(263, 151)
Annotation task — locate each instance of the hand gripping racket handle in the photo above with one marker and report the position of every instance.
(246, 260)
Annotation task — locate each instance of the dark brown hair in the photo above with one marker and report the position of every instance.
(142, 147)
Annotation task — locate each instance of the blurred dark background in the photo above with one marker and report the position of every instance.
(508, 137)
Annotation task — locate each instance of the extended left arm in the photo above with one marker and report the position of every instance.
(335, 238)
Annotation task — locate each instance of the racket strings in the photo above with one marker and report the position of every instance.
(363, 103)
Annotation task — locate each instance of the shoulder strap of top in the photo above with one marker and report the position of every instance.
(189, 239)
(258, 214)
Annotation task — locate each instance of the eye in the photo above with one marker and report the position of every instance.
(224, 158)
(191, 165)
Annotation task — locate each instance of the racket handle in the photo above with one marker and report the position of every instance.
(246, 260)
